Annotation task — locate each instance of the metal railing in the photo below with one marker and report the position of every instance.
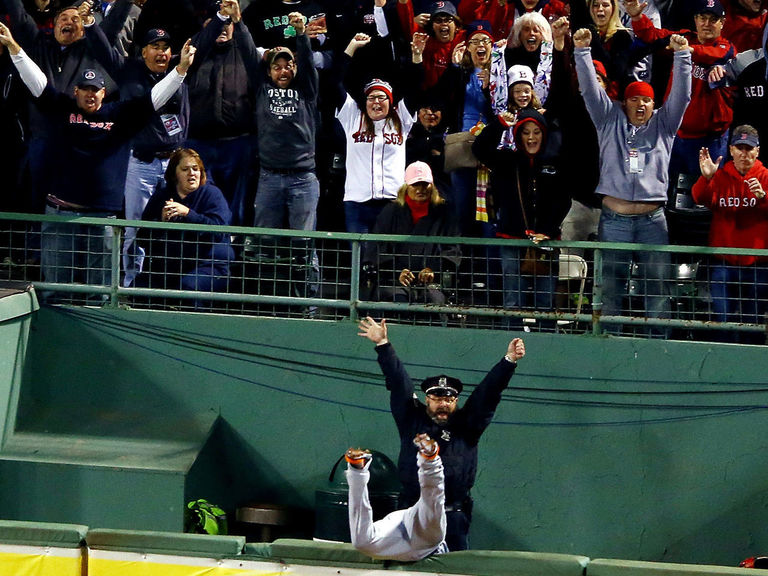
(474, 282)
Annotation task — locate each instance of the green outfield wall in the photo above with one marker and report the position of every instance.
(613, 448)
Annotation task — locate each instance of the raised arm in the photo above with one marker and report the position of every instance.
(307, 76)
(167, 87)
(482, 403)
(398, 382)
(205, 40)
(114, 22)
(244, 43)
(680, 93)
(342, 66)
(105, 53)
(597, 101)
(30, 73)
(414, 76)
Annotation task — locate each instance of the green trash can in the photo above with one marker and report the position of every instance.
(332, 502)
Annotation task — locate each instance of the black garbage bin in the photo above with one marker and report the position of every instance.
(332, 502)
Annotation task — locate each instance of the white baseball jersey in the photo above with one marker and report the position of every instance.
(375, 166)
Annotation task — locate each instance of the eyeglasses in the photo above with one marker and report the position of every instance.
(481, 42)
(444, 399)
(379, 98)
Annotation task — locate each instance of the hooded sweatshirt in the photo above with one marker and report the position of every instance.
(543, 189)
(739, 219)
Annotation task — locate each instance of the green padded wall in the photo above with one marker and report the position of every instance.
(635, 449)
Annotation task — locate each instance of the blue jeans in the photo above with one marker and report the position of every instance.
(286, 199)
(76, 253)
(291, 199)
(525, 292)
(739, 294)
(228, 164)
(654, 267)
(360, 217)
(141, 181)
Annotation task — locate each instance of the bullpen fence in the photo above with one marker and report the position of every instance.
(683, 292)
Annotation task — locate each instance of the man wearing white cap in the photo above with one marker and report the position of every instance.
(456, 430)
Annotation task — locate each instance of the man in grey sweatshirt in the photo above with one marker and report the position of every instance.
(635, 145)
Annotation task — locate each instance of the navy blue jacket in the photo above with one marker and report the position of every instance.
(91, 156)
(458, 439)
(184, 251)
(167, 129)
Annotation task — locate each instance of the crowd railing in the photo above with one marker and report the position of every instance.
(671, 291)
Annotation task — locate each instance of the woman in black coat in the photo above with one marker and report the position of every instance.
(406, 271)
(532, 199)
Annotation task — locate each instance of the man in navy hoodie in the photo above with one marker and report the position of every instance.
(92, 137)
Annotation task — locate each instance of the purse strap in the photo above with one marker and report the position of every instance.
(520, 195)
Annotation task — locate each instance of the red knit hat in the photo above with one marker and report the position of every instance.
(600, 69)
(638, 89)
(377, 84)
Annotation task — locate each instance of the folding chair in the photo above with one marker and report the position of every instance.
(573, 267)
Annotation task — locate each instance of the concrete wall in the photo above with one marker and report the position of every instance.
(619, 448)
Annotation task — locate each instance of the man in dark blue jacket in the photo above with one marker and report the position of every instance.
(221, 123)
(92, 138)
(457, 430)
(153, 145)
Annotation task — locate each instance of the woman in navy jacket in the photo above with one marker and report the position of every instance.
(183, 259)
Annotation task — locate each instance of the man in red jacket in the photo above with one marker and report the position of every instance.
(744, 23)
(709, 114)
(736, 196)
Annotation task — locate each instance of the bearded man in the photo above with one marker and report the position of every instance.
(457, 430)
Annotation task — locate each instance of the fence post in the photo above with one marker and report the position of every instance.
(597, 291)
(114, 283)
(354, 281)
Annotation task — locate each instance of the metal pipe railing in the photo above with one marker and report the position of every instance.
(343, 253)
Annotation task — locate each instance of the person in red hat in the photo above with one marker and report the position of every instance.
(635, 146)
(735, 193)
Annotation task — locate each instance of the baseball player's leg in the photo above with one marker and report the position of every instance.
(384, 538)
(429, 523)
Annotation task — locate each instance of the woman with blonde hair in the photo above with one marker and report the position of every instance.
(403, 269)
(612, 43)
